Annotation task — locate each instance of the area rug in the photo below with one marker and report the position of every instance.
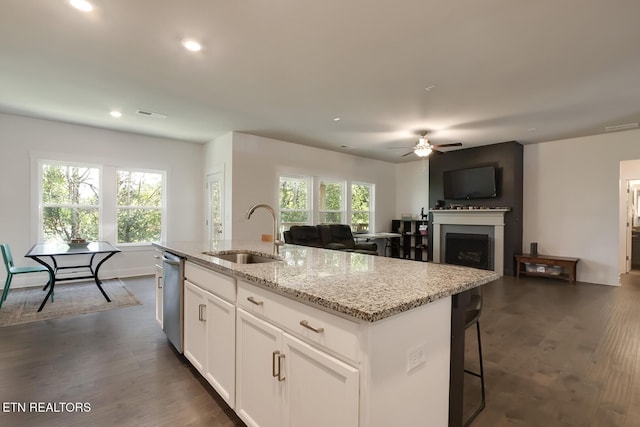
(71, 299)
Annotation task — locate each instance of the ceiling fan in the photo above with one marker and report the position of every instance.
(424, 148)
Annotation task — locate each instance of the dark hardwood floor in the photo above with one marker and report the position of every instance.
(118, 361)
(555, 355)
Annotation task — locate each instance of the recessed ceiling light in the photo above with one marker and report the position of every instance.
(337, 119)
(116, 114)
(532, 129)
(82, 5)
(191, 45)
(428, 88)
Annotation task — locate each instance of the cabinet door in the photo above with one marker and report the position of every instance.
(320, 390)
(221, 347)
(195, 308)
(159, 295)
(258, 391)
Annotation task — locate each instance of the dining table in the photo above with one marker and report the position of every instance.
(90, 257)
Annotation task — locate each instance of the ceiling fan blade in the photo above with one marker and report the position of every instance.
(404, 155)
(453, 144)
(393, 148)
(438, 152)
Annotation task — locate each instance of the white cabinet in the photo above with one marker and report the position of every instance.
(320, 390)
(195, 326)
(259, 392)
(280, 362)
(158, 274)
(209, 328)
(283, 381)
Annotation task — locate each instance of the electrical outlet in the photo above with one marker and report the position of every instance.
(416, 356)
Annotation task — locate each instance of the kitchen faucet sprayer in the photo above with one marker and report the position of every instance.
(276, 242)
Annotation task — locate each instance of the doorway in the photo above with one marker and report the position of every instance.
(633, 221)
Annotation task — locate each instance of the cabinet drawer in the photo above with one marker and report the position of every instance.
(332, 332)
(216, 283)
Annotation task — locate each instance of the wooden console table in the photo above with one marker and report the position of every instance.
(547, 266)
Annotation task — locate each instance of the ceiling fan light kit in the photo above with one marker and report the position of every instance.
(422, 150)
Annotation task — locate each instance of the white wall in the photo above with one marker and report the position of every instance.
(572, 201)
(258, 162)
(412, 188)
(21, 138)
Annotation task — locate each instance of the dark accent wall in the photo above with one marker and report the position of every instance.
(507, 157)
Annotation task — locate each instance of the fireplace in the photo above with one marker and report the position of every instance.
(471, 250)
(468, 221)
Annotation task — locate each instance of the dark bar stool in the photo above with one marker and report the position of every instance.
(473, 317)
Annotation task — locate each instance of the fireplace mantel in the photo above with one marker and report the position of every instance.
(472, 217)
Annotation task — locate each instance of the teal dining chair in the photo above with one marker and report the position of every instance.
(13, 270)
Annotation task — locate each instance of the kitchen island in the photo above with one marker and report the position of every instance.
(323, 337)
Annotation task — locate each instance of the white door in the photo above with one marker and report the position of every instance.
(258, 388)
(195, 345)
(215, 206)
(320, 390)
(221, 347)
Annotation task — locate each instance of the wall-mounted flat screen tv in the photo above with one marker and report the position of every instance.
(474, 183)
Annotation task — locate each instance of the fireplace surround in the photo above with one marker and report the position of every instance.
(469, 219)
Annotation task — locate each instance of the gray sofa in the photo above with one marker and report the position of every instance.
(328, 236)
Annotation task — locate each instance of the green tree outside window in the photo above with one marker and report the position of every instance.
(294, 202)
(139, 201)
(70, 202)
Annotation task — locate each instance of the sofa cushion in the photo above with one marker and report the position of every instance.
(341, 233)
(328, 236)
(306, 235)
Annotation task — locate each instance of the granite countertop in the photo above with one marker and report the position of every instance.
(360, 286)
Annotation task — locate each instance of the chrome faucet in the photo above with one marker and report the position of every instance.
(276, 242)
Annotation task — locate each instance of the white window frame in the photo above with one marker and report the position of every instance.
(41, 205)
(162, 208)
(343, 200)
(309, 209)
(371, 211)
(107, 226)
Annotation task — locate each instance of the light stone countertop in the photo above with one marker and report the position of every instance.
(360, 286)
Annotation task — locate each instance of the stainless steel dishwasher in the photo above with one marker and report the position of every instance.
(172, 296)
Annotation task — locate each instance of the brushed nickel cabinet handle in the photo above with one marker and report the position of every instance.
(308, 326)
(254, 301)
(280, 377)
(202, 314)
(273, 364)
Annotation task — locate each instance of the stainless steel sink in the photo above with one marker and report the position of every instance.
(241, 257)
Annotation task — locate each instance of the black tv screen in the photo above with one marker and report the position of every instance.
(474, 183)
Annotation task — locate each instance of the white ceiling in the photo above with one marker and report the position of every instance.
(286, 68)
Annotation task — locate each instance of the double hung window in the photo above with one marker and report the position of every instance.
(95, 202)
(295, 206)
(361, 206)
(334, 202)
(331, 202)
(70, 202)
(139, 206)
